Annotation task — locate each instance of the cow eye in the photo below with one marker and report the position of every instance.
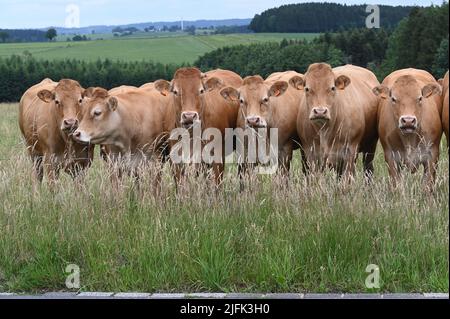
(57, 102)
(241, 101)
(202, 91)
(333, 88)
(266, 99)
(393, 99)
(97, 113)
(80, 101)
(306, 89)
(175, 92)
(420, 99)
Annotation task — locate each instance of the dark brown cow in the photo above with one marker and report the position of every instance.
(49, 112)
(337, 117)
(197, 100)
(409, 122)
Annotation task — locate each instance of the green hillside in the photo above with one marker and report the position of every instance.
(168, 49)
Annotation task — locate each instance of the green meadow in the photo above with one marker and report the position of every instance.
(165, 48)
(307, 236)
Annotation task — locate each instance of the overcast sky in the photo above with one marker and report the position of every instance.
(44, 13)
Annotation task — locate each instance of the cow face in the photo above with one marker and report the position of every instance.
(254, 97)
(66, 100)
(321, 87)
(100, 121)
(188, 88)
(407, 98)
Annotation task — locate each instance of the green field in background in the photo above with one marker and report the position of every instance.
(165, 48)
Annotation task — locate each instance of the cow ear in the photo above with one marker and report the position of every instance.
(230, 94)
(163, 87)
(278, 88)
(381, 91)
(342, 82)
(112, 103)
(431, 89)
(441, 82)
(297, 82)
(212, 84)
(46, 96)
(89, 92)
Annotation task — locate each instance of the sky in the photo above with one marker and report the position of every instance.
(44, 13)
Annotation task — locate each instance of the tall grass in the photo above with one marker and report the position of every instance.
(315, 237)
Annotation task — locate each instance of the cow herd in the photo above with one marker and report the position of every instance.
(330, 114)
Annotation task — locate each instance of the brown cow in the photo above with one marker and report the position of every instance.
(148, 86)
(269, 104)
(49, 112)
(122, 89)
(133, 125)
(445, 107)
(409, 123)
(337, 117)
(197, 100)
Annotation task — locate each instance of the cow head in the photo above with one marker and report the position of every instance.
(254, 97)
(100, 121)
(321, 87)
(407, 98)
(66, 100)
(188, 88)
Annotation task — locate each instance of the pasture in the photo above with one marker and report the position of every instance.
(315, 236)
(167, 49)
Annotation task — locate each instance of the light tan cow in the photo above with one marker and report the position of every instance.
(122, 89)
(337, 118)
(409, 123)
(148, 86)
(49, 112)
(445, 107)
(197, 99)
(133, 126)
(269, 104)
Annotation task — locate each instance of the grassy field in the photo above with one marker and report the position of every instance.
(316, 237)
(165, 49)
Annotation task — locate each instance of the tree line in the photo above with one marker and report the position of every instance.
(18, 73)
(420, 41)
(322, 17)
(10, 35)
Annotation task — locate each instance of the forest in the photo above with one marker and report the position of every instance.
(323, 17)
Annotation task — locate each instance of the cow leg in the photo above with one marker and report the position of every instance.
(305, 165)
(38, 169)
(346, 164)
(430, 167)
(51, 169)
(368, 157)
(218, 169)
(393, 167)
(242, 173)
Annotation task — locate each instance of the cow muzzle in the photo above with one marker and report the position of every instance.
(255, 122)
(81, 137)
(188, 119)
(69, 125)
(408, 124)
(320, 114)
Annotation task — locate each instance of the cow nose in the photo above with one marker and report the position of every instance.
(408, 121)
(320, 111)
(189, 117)
(253, 121)
(70, 122)
(77, 134)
